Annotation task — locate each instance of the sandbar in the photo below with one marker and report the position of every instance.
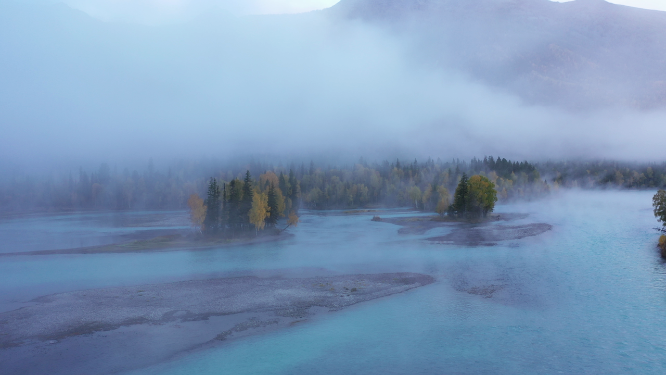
(111, 330)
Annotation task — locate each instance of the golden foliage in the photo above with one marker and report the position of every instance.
(292, 219)
(266, 179)
(482, 193)
(197, 210)
(443, 204)
(259, 211)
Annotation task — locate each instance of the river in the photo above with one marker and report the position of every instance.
(587, 296)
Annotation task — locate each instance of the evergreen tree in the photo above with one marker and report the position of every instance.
(284, 184)
(211, 222)
(224, 209)
(459, 206)
(234, 201)
(659, 204)
(272, 206)
(294, 192)
(246, 200)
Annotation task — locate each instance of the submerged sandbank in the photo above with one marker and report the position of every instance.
(117, 329)
(465, 233)
(490, 235)
(167, 242)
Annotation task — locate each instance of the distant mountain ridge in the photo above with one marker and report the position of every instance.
(579, 54)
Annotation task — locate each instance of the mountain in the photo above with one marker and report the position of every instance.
(580, 54)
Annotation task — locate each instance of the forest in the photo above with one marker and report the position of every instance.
(357, 185)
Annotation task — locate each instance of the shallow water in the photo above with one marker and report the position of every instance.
(588, 296)
(66, 231)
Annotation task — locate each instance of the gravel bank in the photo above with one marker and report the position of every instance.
(489, 235)
(422, 224)
(116, 329)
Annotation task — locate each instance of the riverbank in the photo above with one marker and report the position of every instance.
(118, 329)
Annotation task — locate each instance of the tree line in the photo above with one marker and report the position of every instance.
(241, 206)
(388, 183)
(419, 185)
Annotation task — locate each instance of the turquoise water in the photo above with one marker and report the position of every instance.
(588, 297)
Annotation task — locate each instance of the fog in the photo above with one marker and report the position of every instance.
(156, 12)
(76, 90)
(405, 186)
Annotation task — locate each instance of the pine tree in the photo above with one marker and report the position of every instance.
(224, 209)
(294, 192)
(246, 201)
(234, 200)
(659, 204)
(284, 184)
(211, 222)
(272, 206)
(459, 206)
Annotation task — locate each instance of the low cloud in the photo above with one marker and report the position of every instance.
(284, 86)
(153, 12)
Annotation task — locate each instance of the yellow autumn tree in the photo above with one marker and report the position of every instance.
(427, 195)
(415, 195)
(259, 211)
(444, 200)
(481, 196)
(197, 211)
(292, 220)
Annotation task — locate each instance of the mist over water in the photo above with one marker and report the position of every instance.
(196, 90)
(588, 294)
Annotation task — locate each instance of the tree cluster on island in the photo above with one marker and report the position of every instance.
(474, 198)
(239, 206)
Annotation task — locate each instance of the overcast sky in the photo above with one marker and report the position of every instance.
(161, 11)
